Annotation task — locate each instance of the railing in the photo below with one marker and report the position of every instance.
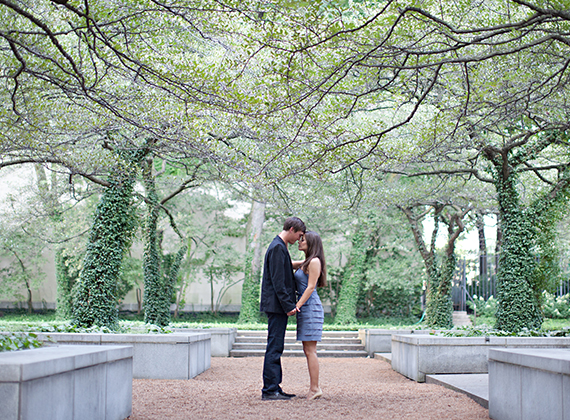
(469, 280)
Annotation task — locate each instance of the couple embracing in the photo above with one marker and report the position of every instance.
(285, 293)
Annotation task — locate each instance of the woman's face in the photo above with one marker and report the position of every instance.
(302, 244)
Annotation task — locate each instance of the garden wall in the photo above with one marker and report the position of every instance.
(417, 355)
(529, 384)
(66, 382)
(155, 356)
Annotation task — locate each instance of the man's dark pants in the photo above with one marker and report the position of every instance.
(272, 372)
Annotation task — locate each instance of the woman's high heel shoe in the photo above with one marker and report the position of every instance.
(316, 395)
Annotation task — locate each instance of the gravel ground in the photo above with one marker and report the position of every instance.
(353, 388)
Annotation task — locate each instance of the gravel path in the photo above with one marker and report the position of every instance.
(354, 388)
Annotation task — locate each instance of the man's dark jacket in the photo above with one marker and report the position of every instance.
(278, 284)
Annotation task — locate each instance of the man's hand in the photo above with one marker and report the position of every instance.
(293, 312)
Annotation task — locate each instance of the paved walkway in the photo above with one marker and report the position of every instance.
(354, 388)
(474, 385)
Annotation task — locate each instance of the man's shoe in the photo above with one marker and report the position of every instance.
(274, 396)
(285, 394)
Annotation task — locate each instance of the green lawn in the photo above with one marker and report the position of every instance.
(12, 321)
(20, 321)
(548, 324)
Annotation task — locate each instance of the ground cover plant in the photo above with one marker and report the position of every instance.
(133, 323)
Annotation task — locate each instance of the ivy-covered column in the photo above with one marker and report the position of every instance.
(518, 306)
(156, 309)
(353, 277)
(66, 275)
(439, 306)
(95, 300)
(250, 291)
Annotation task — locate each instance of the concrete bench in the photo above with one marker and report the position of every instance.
(222, 339)
(417, 355)
(380, 340)
(67, 382)
(155, 356)
(529, 384)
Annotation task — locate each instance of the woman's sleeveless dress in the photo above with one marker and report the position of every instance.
(310, 319)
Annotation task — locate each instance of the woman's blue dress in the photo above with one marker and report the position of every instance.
(310, 319)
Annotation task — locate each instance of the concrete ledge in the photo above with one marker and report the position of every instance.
(474, 385)
(222, 339)
(527, 384)
(155, 356)
(416, 355)
(67, 382)
(380, 341)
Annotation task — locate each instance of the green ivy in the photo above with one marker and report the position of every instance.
(66, 273)
(250, 292)
(353, 276)
(19, 341)
(518, 304)
(95, 294)
(439, 306)
(160, 272)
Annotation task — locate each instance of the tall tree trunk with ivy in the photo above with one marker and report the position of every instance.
(66, 276)
(249, 311)
(160, 271)
(439, 305)
(95, 300)
(156, 310)
(355, 271)
(518, 305)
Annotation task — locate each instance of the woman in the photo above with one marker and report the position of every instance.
(311, 273)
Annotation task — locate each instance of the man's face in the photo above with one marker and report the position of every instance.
(294, 236)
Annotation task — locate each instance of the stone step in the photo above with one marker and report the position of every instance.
(333, 344)
(299, 353)
(460, 318)
(298, 346)
(292, 340)
(292, 333)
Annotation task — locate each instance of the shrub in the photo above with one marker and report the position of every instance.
(484, 308)
(556, 307)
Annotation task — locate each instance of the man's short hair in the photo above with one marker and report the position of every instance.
(295, 223)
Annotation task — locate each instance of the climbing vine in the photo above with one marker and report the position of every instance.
(67, 269)
(95, 294)
(249, 311)
(160, 271)
(354, 274)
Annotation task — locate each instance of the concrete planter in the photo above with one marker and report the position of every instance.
(67, 382)
(380, 341)
(222, 339)
(155, 356)
(529, 384)
(417, 355)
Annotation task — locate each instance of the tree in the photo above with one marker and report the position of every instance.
(250, 293)
(439, 307)
(95, 296)
(23, 271)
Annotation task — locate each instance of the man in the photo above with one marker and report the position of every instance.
(278, 302)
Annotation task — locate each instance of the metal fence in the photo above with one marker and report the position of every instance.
(470, 281)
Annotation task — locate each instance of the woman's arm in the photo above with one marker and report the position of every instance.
(314, 273)
(297, 264)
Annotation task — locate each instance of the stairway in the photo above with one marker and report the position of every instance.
(460, 318)
(333, 344)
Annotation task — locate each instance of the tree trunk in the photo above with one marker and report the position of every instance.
(249, 311)
(156, 306)
(95, 300)
(353, 277)
(518, 307)
(483, 276)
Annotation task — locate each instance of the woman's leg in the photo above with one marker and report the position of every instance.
(310, 349)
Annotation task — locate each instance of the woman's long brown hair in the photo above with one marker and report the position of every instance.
(315, 250)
